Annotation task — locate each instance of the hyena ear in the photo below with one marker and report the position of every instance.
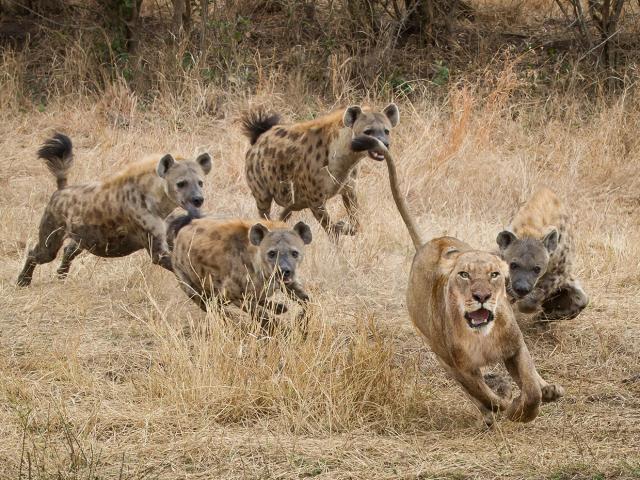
(257, 233)
(350, 116)
(505, 238)
(303, 230)
(393, 114)
(204, 160)
(164, 165)
(550, 241)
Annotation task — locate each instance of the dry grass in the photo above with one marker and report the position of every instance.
(113, 373)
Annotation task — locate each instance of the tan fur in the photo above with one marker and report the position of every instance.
(304, 165)
(215, 260)
(117, 216)
(438, 298)
(543, 211)
(556, 293)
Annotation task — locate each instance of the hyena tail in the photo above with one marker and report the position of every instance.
(256, 122)
(58, 156)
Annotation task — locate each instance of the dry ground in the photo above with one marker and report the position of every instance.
(113, 373)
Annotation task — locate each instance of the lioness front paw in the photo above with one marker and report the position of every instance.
(552, 392)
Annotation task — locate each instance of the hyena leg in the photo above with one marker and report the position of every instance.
(70, 252)
(322, 216)
(263, 203)
(50, 240)
(566, 303)
(350, 201)
(157, 245)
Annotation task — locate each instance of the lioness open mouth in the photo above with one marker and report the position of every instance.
(376, 155)
(479, 318)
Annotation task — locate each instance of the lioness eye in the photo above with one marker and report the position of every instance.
(181, 184)
(463, 274)
(495, 274)
(537, 270)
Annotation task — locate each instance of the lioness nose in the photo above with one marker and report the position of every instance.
(482, 296)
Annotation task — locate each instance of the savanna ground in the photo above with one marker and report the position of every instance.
(114, 373)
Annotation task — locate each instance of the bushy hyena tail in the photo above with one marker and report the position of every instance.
(58, 156)
(256, 122)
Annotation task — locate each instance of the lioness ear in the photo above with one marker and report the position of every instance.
(257, 233)
(350, 116)
(303, 230)
(505, 238)
(393, 114)
(550, 241)
(164, 165)
(204, 160)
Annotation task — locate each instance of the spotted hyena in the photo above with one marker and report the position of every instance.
(303, 165)
(539, 252)
(118, 215)
(238, 262)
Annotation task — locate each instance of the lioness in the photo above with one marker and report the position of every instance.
(457, 298)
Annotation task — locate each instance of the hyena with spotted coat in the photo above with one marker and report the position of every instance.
(117, 216)
(239, 262)
(539, 252)
(303, 165)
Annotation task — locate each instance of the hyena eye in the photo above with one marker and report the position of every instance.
(386, 131)
(495, 274)
(368, 131)
(200, 183)
(463, 274)
(513, 265)
(295, 253)
(181, 184)
(272, 254)
(537, 270)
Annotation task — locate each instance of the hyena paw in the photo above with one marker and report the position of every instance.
(344, 228)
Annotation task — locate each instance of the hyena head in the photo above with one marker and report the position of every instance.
(183, 180)
(280, 250)
(372, 124)
(528, 259)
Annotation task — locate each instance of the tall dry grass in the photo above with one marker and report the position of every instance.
(113, 373)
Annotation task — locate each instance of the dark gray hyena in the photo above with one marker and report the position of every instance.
(117, 216)
(539, 253)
